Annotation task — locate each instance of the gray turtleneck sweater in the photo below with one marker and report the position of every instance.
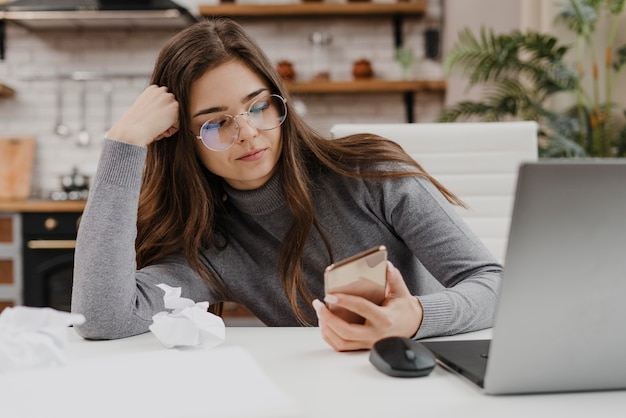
(440, 258)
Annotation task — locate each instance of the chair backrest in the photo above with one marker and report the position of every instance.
(477, 161)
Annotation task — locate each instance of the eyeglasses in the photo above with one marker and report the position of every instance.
(221, 132)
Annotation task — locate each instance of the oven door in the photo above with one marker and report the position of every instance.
(48, 254)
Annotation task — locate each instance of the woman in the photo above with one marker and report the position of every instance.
(241, 201)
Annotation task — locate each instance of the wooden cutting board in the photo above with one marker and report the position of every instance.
(16, 166)
(6, 91)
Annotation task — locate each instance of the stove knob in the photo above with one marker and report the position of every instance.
(51, 224)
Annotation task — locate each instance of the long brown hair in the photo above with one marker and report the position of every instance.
(181, 200)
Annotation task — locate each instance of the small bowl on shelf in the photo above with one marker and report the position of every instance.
(362, 69)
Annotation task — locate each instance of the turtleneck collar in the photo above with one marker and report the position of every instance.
(263, 200)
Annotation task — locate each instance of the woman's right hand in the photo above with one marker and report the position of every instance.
(153, 116)
(401, 315)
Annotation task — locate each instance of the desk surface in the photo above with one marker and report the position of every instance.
(326, 383)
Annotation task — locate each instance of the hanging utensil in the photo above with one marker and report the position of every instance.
(60, 128)
(83, 139)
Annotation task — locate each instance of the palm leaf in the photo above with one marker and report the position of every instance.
(468, 109)
(580, 16)
(567, 124)
(560, 146)
(531, 55)
(620, 143)
(620, 59)
(514, 98)
(615, 6)
(520, 71)
(507, 98)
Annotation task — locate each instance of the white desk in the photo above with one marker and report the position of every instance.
(331, 384)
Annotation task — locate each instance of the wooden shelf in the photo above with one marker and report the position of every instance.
(366, 86)
(315, 9)
(407, 88)
(396, 12)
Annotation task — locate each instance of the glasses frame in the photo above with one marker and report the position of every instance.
(236, 122)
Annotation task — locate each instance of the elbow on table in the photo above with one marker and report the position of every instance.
(92, 333)
(98, 327)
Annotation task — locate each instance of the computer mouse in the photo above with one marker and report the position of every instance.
(402, 357)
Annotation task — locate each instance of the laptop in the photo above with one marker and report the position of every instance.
(560, 323)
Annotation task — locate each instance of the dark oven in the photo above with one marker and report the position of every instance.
(49, 240)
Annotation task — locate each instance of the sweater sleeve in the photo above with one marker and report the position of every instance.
(437, 235)
(116, 299)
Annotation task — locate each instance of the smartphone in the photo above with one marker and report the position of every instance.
(363, 274)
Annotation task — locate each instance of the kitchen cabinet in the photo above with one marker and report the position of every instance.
(396, 12)
(10, 260)
(12, 243)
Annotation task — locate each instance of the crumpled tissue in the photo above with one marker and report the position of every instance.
(33, 338)
(188, 324)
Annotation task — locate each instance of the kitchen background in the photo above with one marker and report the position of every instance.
(34, 59)
(98, 73)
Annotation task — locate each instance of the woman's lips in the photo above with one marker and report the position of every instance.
(253, 155)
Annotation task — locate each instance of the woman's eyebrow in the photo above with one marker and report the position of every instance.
(223, 108)
(209, 110)
(253, 95)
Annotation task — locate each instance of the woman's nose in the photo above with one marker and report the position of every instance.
(246, 128)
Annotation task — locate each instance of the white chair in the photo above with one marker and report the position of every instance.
(478, 161)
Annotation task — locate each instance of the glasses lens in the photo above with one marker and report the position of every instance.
(219, 133)
(268, 113)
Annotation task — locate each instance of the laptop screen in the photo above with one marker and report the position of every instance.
(560, 318)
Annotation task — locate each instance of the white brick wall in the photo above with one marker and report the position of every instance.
(33, 59)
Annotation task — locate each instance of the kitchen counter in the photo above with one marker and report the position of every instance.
(42, 205)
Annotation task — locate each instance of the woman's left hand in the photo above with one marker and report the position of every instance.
(400, 315)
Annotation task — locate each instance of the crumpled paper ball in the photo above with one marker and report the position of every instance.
(188, 324)
(33, 338)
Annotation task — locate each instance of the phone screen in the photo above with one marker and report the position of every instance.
(363, 274)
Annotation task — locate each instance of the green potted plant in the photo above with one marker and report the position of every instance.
(522, 71)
